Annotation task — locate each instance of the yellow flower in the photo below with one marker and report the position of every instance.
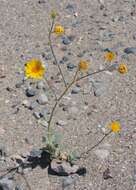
(115, 126)
(53, 14)
(58, 29)
(123, 68)
(83, 65)
(34, 69)
(110, 56)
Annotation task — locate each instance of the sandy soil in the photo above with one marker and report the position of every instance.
(23, 35)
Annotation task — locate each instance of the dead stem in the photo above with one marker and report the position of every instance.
(53, 53)
(82, 155)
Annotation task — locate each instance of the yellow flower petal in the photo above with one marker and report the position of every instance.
(122, 68)
(115, 126)
(110, 56)
(83, 65)
(34, 69)
(58, 29)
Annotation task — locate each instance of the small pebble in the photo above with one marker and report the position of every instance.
(30, 92)
(40, 85)
(69, 180)
(36, 153)
(66, 40)
(6, 184)
(70, 66)
(26, 103)
(75, 90)
(44, 112)
(42, 99)
(19, 84)
(61, 62)
(61, 123)
(98, 87)
(71, 8)
(19, 187)
(33, 105)
(37, 115)
(48, 57)
(65, 59)
(41, 1)
(130, 50)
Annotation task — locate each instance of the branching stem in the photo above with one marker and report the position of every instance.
(53, 53)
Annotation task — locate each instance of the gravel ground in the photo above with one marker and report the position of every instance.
(95, 25)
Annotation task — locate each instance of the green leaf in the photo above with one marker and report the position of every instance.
(72, 156)
(56, 138)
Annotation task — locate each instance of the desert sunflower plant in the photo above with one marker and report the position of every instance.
(35, 69)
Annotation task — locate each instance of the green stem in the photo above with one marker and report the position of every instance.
(58, 100)
(53, 53)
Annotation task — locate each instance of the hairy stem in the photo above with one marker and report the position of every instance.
(53, 53)
(58, 100)
(96, 72)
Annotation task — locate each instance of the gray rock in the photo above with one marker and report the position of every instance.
(19, 84)
(65, 59)
(42, 99)
(98, 87)
(37, 115)
(71, 8)
(2, 151)
(33, 105)
(70, 66)
(41, 1)
(6, 184)
(30, 92)
(48, 57)
(61, 62)
(71, 38)
(130, 50)
(63, 167)
(64, 48)
(19, 187)
(75, 90)
(26, 103)
(66, 40)
(81, 54)
(99, 92)
(61, 123)
(69, 180)
(36, 153)
(44, 112)
(40, 85)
